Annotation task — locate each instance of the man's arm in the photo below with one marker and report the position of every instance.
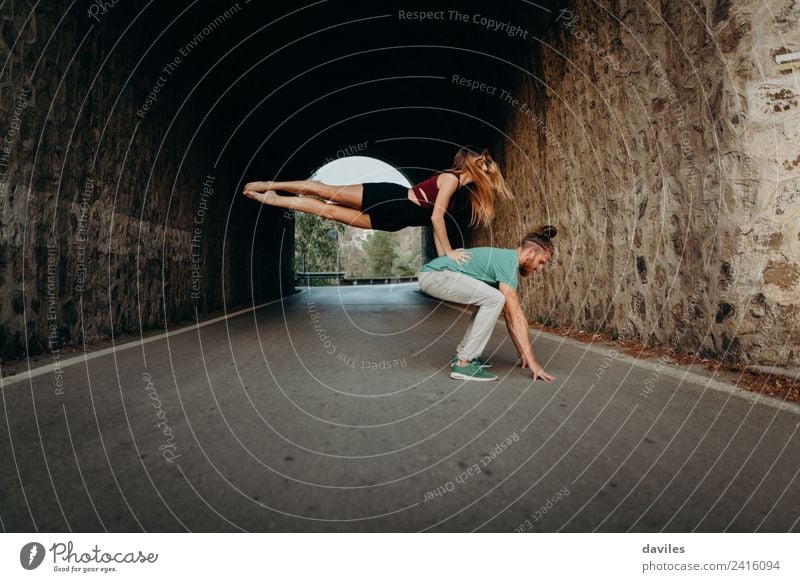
(518, 330)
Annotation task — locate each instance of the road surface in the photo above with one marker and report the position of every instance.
(332, 410)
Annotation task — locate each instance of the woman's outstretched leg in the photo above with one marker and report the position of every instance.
(343, 214)
(349, 195)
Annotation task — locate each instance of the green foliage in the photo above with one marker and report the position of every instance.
(324, 245)
(381, 253)
(407, 263)
(409, 255)
(316, 243)
(392, 254)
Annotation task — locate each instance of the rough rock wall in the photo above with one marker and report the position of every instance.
(113, 219)
(664, 142)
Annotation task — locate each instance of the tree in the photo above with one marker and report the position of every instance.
(381, 253)
(316, 245)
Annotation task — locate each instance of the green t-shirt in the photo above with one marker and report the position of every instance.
(488, 264)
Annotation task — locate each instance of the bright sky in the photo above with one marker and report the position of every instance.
(357, 170)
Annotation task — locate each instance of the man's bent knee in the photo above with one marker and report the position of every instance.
(497, 298)
(427, 283)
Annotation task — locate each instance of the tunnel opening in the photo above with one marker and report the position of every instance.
(332, 253)
(131, 131)
(134, 151)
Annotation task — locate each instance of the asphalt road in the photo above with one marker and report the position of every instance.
(333, 411)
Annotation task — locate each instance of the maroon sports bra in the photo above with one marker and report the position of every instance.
(426, 192)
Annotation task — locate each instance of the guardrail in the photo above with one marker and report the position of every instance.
(306, 278)
(339, 278)
(378, 280)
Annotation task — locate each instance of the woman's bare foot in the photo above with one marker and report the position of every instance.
(263, 197)
(259, 186)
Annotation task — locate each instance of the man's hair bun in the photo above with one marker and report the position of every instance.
(546, 231)
(540, 236)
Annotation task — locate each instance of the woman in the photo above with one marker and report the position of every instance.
(387, 206)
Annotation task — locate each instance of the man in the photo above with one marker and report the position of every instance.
(489, 280)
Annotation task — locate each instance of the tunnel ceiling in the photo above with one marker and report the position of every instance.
(283, 87)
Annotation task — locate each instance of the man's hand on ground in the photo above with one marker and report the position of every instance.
(537, 372)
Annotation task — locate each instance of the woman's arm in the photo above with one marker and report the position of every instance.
(447, 185)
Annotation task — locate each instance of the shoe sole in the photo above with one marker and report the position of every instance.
(484, 366)
(460, 376)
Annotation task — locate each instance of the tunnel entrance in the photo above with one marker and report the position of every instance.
(122, 168)
(331, 253)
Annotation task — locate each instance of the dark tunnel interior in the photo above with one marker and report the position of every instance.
(131, 129)
(146, 120)
(153, 117)
(291, 86)
(285, 87)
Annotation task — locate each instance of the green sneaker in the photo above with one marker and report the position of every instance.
(472, 371)
(481, 362)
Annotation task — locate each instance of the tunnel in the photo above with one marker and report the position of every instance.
(130, 132)
(661, 139)
(149, 121)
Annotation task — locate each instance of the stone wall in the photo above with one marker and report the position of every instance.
(114, 217)
(664, 142)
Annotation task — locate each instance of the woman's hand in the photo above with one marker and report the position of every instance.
(460, 256)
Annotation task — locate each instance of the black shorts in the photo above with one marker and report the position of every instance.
(390, 209)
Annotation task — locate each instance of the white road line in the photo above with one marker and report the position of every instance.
(48, 368)
(681, 374)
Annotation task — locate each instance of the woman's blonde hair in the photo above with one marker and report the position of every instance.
(486, 185)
